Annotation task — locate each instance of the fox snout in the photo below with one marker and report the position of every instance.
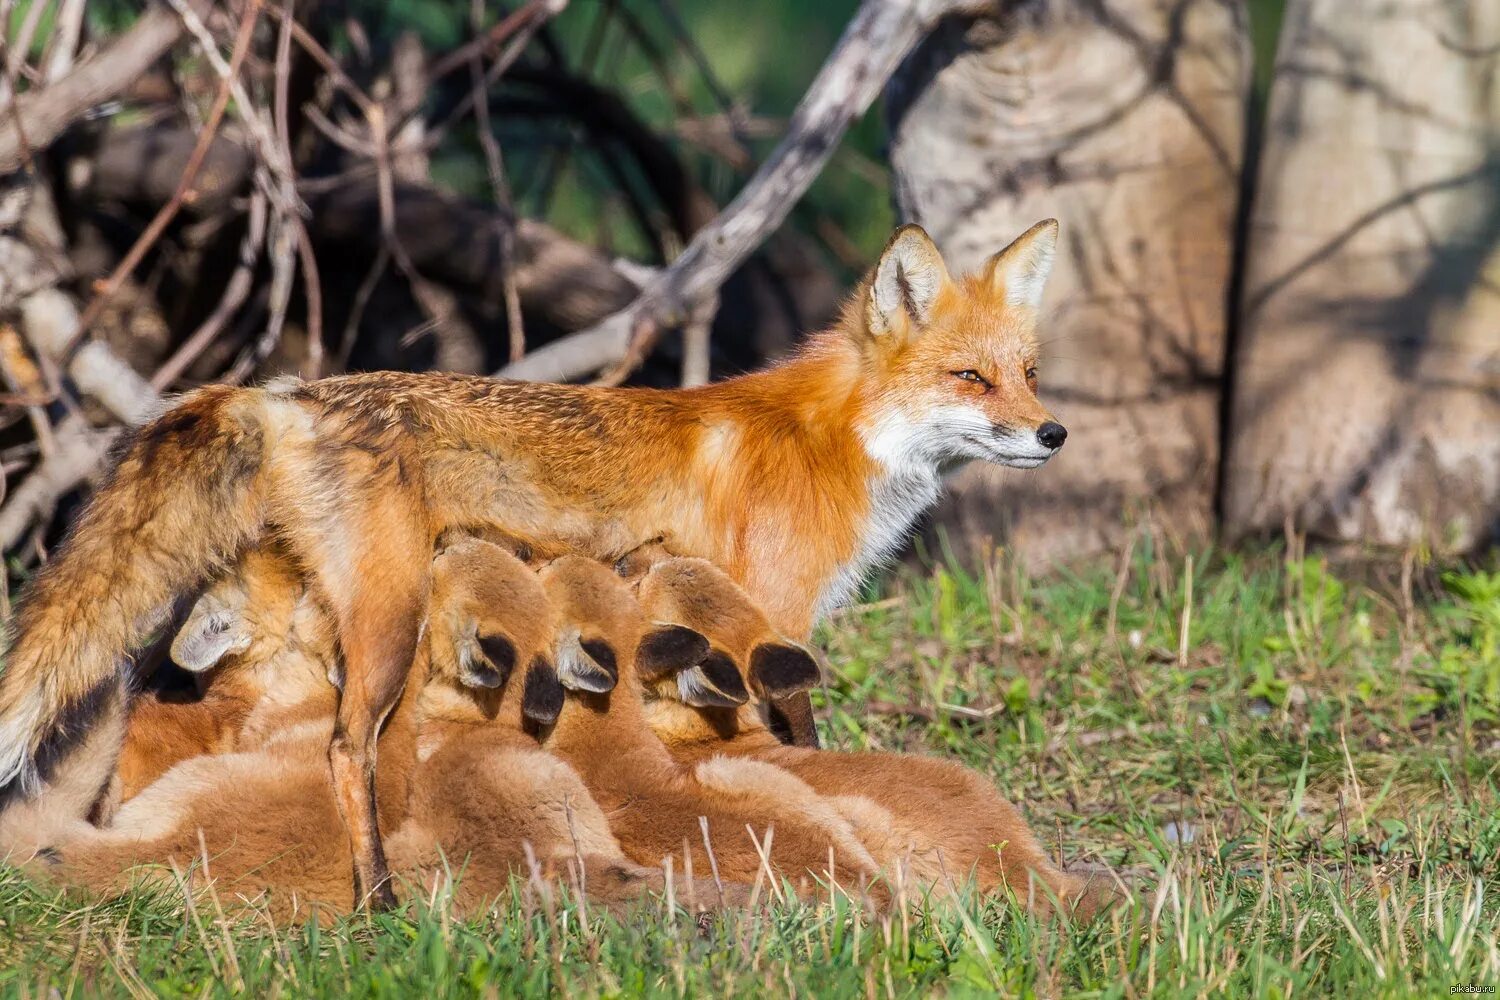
(1051, 435)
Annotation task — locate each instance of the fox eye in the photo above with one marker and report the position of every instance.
(970, 375)
(1031, 374)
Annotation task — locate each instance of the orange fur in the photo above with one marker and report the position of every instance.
(275, 677)
(465, 788)
(941, 821)
(654, 804)
(795, 479)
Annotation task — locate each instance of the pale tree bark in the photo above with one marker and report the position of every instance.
(1367, 385)
(1123, 119)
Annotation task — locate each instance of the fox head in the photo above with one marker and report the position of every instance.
(954, 360)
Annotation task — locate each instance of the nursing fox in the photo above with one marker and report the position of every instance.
(796, 480)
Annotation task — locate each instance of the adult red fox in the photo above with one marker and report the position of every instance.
(795, 479)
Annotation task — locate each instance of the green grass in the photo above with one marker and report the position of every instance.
(1296, 769)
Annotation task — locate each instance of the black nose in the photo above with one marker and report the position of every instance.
(1052, 434)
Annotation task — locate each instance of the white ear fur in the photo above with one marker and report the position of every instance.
(212, 631)
(696, 690)
(1022, 268)
(908, 279)
(577, 670)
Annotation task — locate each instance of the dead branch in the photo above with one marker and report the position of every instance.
(876, 40)
(41, 117)
(81, 450)
(450, 240)
(158, 225)
(235, 292)
(50, 322)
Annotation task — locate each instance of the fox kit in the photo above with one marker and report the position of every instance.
(484, 790)
(238, 780)
(261, 649)
(472, 788)
(796, 479)
(937, 817)
(654, 804)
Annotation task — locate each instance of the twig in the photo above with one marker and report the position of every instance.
(15, 59)
(44, 115)
(529, 16)
(235, 293)
(50, 322)
(326, 62)
(696, 336)
(361, 303)
(548, 9)
(66, 31)
(439, 308)
(311, 283)
(500, 186)
(169, 211)
(80, 451)
(876, 40)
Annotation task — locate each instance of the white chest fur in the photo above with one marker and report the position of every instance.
(896, 501)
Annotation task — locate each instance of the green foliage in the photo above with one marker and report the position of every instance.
(1466, 671)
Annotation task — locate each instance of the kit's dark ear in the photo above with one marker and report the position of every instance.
(578, 670)
(638, 561)
(726, 677)
(696, 689)
(602, 653)
(542, 699)
(666, 649)
(778, 669)
(490, 664)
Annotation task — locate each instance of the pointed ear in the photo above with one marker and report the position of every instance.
(907, 281)
(577, 670)
(542, 699)
(603, 654)
(1020, 271)
(722, 672)
(781, 668)
(666, 649)
(214, 629)
(697, 690)
(488, 664)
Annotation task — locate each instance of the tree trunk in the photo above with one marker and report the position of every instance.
(1123, 119)
(1367, 386)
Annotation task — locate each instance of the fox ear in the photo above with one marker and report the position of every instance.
(666, 649)
(725, 675)
(714, 683)
(542, 699)
(907, 281)
(490, 664)
(781, 668)
(1020, 271)
(578, 669)
(213, 630)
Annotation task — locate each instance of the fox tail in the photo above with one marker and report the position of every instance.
(186, 496)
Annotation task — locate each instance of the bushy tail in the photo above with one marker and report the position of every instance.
(186, 496)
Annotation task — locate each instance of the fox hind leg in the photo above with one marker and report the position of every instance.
(379, 638)
(369, 557)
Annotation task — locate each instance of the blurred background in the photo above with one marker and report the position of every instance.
(1276, 312)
